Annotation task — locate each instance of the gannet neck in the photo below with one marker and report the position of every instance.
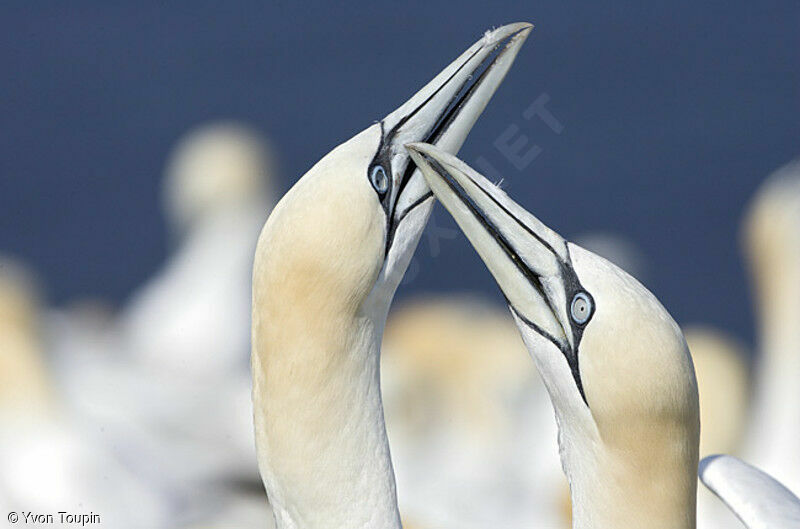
(322, 446)
(639, 481)
(319, 421)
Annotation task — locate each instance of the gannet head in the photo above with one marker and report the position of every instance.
(615, 363)
(351, 223)
(215, 167)
(327, 264)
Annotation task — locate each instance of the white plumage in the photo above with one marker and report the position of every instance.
(758, 499)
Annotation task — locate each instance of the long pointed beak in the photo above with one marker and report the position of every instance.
(529, 261)
(443, 112)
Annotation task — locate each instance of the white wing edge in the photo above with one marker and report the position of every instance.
(755, 497)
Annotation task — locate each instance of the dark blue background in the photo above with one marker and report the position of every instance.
(673, 114)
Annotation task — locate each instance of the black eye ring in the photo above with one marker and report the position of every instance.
(581, 308)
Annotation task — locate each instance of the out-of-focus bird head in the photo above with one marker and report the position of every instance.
(214, 168)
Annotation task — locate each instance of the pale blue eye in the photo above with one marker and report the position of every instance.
(379, 179)
(581, 308)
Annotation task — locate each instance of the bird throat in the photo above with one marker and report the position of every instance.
(320, 432)
(637, 485)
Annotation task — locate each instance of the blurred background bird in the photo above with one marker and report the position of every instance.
(25, 387)
(723, 385)
(164, 383)
(771, 240)
(192, 318)
(469, 422)
(188, 328)
(49, 463)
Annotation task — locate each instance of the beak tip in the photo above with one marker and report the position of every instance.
(421, 152)
(519, 31)
(432, 162)
(523, 27)
(416, 152)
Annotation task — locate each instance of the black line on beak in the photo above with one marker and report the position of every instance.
(444, 121)
(571, 357)
(533, 278)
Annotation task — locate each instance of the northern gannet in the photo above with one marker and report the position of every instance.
(614, 362)
(616, 365)
(771, 240)
(327, 264)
